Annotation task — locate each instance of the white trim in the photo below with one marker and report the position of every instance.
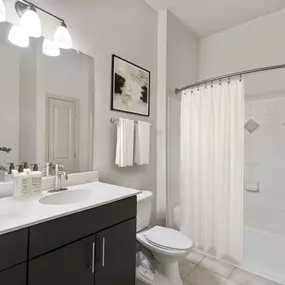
(76, 104)
(161, 117)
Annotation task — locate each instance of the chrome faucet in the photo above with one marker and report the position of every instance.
(58, 177)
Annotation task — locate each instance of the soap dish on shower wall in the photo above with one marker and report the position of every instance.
(251, 126)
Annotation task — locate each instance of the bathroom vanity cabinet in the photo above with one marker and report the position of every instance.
(92, 247)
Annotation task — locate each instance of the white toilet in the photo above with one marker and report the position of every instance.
(168, 245)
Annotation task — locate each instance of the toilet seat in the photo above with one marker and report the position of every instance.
(168, 239)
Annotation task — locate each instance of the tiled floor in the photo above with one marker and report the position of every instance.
(202, 270)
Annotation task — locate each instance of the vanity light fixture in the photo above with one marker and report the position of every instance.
(62, 37)
(18, 37)
(31, 23)
(2, 12)
(50, 48)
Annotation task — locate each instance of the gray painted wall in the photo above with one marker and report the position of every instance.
(182, 69)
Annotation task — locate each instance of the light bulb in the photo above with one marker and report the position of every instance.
(18, 37)
(2, 12)
(62, 37)
(30, 23)
(50, 48)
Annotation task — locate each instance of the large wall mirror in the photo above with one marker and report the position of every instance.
(47, 106)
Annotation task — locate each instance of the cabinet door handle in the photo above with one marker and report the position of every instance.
(103, 252)
(93, 257)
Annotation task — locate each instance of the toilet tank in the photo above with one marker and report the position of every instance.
(144, 206)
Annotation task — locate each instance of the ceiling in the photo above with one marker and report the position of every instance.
(207, 17)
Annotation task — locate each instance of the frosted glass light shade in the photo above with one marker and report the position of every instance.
(31, 23)
(50, 48)
(2, 12)
(18, 37)
(62, 37)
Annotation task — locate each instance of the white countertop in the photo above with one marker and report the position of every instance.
(16, 214)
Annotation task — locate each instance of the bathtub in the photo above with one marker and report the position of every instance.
(264, 241)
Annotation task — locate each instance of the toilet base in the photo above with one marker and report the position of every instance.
(171, 272)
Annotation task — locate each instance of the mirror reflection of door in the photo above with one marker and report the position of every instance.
(62, 132)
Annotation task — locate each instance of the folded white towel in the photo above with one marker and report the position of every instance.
(142, 143)
(125, 143)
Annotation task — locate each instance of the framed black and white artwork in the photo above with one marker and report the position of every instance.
(130, 87)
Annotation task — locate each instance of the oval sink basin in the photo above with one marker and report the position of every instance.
(66, 197)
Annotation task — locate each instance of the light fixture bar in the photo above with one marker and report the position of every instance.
(41, 9)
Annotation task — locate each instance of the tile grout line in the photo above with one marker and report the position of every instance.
(191, 272)
(234, 281)
(196, 264)
(234, 267)
(208, 271)
(218, 273)
(199, 265)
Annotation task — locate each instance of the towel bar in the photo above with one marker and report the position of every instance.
(115, 120)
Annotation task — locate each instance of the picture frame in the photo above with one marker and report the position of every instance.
(130, 91)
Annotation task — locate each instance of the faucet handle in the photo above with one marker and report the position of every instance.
(60, 166)
(47, 170)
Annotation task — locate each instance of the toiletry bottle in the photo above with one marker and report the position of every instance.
(36, 181)
(26, 168)
(21, 182)
(28, 171)
(9, 175)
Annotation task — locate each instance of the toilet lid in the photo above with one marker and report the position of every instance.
(168, 238)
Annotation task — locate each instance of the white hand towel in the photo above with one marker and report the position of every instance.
(125, 143)
(142, 143)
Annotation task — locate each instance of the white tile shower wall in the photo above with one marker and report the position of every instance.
(265, 158)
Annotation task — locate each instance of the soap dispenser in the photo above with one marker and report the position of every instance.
(26, 168)
(35, 180)
(21, 183)
(28, 171)
(9, 175)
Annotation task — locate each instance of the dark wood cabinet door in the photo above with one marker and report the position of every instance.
(13, 248)
(116, 255)
(73, 264)
(14, 276)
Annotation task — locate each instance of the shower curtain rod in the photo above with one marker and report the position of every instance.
(249, 71)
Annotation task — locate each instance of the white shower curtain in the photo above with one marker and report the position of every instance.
(211, 184)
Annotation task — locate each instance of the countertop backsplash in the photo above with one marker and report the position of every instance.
(6, 188)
